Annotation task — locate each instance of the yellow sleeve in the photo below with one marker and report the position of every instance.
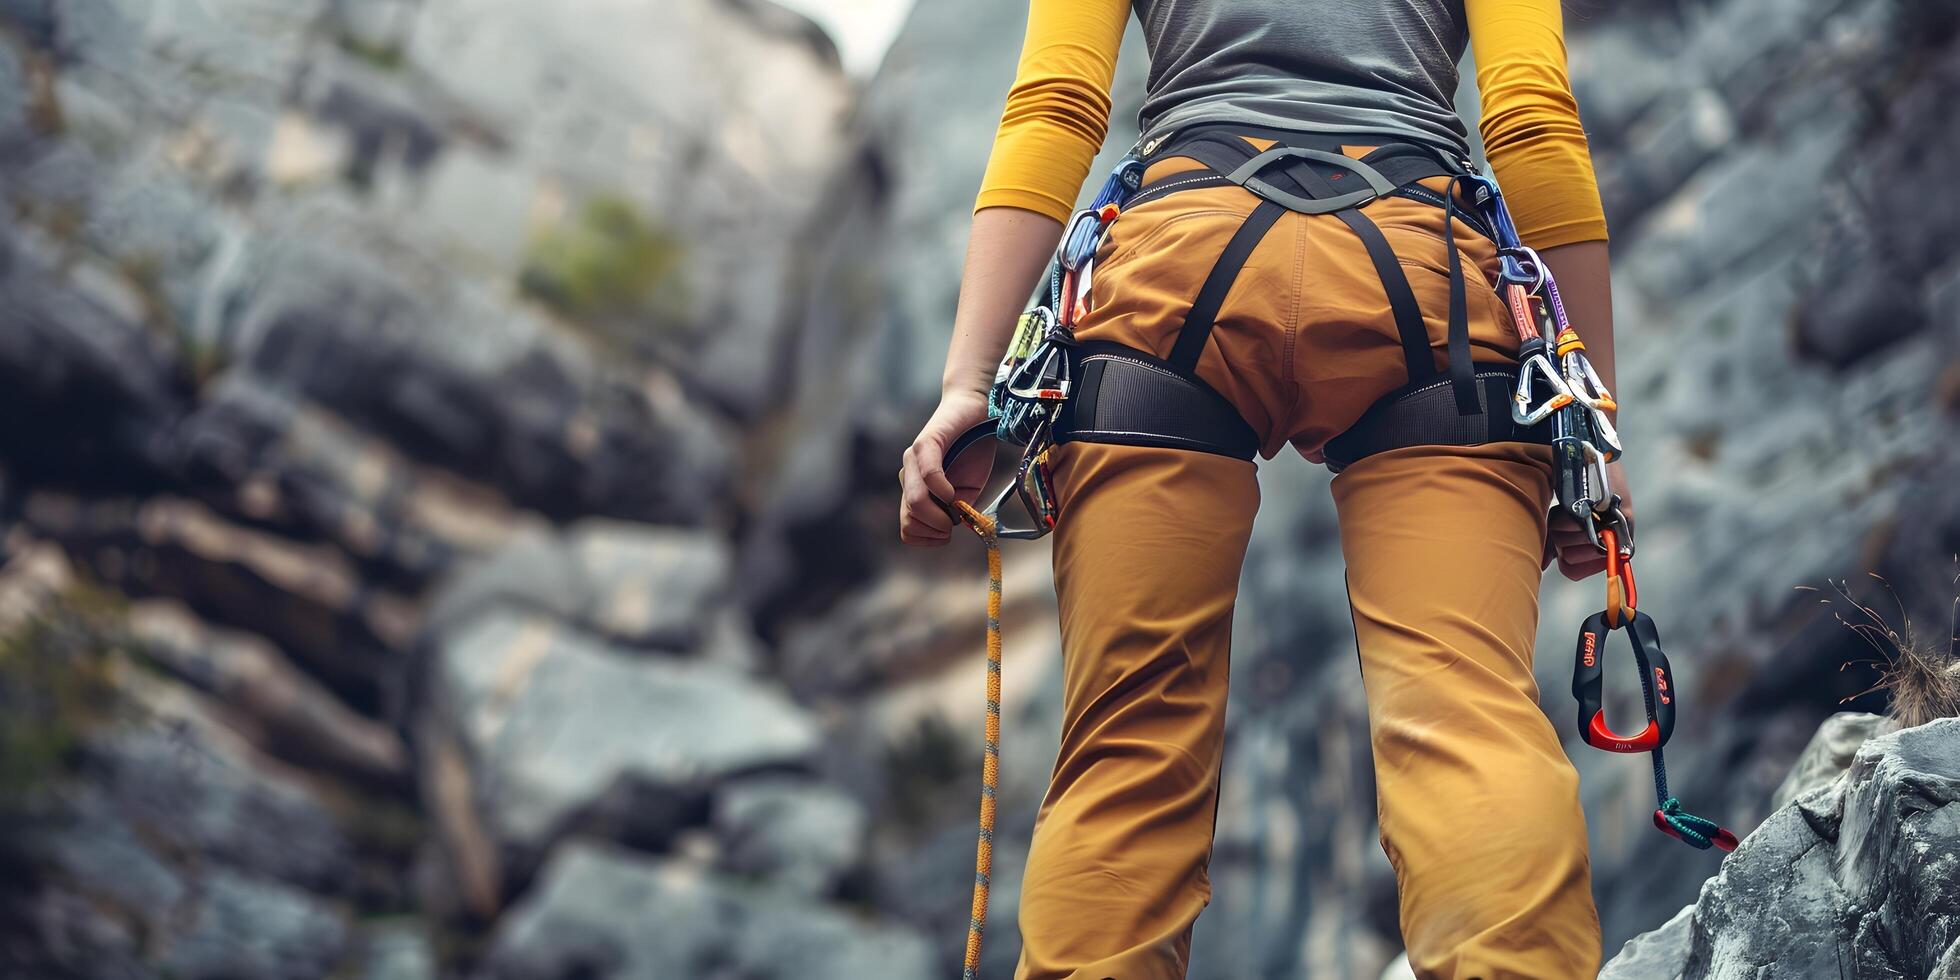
(1058, 110)
(1530, 123)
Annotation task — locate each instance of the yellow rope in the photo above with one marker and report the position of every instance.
(983, 861)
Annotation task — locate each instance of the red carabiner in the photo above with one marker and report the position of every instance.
(1622, 593)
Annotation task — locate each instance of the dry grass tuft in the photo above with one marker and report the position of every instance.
(1920, 677)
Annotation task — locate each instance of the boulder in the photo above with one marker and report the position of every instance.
(397, 950)
(607, 914)
(306, 597)
(177, 848)
(800, 835)
(285, 712)
(1829, 753)
(245, 927)
(563, 730)
(641, 586)
(1859, 877)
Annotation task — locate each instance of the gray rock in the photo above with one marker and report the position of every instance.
(283, 710)
(1829, 753)
(188, 786)
(306, 597)
(243, 927)
(179, 849)
(608, 914)
(35, 18)
(375, 26)
(799, 835)
(1658, 955)
(260, 455)
(628, 124)
(104, 391)
(398, 950)
(567, 730)
(642, 586)
(16, 124)
(1859, 878)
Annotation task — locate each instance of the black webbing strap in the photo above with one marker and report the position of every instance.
(1401, 299)
(1204, 310)
(1409, 325)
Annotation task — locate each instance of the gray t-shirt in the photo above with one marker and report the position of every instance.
(1326, 66)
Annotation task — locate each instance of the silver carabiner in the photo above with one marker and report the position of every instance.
(1540, 366)
(1587, 389)
(1034, 380)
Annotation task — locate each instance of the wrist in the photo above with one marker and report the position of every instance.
(954, 389)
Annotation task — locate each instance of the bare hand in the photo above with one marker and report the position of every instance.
(1567, 542)
(927, 489)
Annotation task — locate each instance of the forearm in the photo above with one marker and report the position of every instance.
(1006, 254)
(1586, 288)
(1530, 122)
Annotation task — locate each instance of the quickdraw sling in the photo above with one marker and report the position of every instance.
(1051, 389)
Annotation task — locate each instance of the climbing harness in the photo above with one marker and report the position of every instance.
(1052, 389)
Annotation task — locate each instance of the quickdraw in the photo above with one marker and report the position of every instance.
(1557, 381)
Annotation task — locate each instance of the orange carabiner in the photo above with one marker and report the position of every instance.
(1622, 593)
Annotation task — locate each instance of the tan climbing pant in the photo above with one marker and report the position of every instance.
(1478, 804)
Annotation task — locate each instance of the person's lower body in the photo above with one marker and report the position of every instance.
(1478, 805)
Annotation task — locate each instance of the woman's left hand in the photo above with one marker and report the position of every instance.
(928, 488)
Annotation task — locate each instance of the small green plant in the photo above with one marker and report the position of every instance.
(608, 264)
(383, 56)
(55, 686)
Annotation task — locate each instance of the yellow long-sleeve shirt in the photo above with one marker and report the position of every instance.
(1345, 66)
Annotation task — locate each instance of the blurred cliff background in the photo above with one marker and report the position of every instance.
(447, 502)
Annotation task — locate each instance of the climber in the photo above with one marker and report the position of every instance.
(1303, 248)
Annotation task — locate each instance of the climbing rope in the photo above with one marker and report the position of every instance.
(983, 859)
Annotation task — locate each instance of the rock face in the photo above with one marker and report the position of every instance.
(445, 496)
(376, 373)
(1859, 877)
(601, 911)
(558, 724)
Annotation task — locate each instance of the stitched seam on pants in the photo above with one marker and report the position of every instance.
(1293, 311)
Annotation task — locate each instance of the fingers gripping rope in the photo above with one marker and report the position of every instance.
(983, 861)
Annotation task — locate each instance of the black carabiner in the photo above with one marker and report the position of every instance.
(1656, 683)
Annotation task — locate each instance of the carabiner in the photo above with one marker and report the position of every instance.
(1539, 366)
(1522, 267)
(1045, 376)
(1622, 592)
(1030, 485)
(1656, 683)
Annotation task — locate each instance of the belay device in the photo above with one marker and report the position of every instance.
(1051, 389)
